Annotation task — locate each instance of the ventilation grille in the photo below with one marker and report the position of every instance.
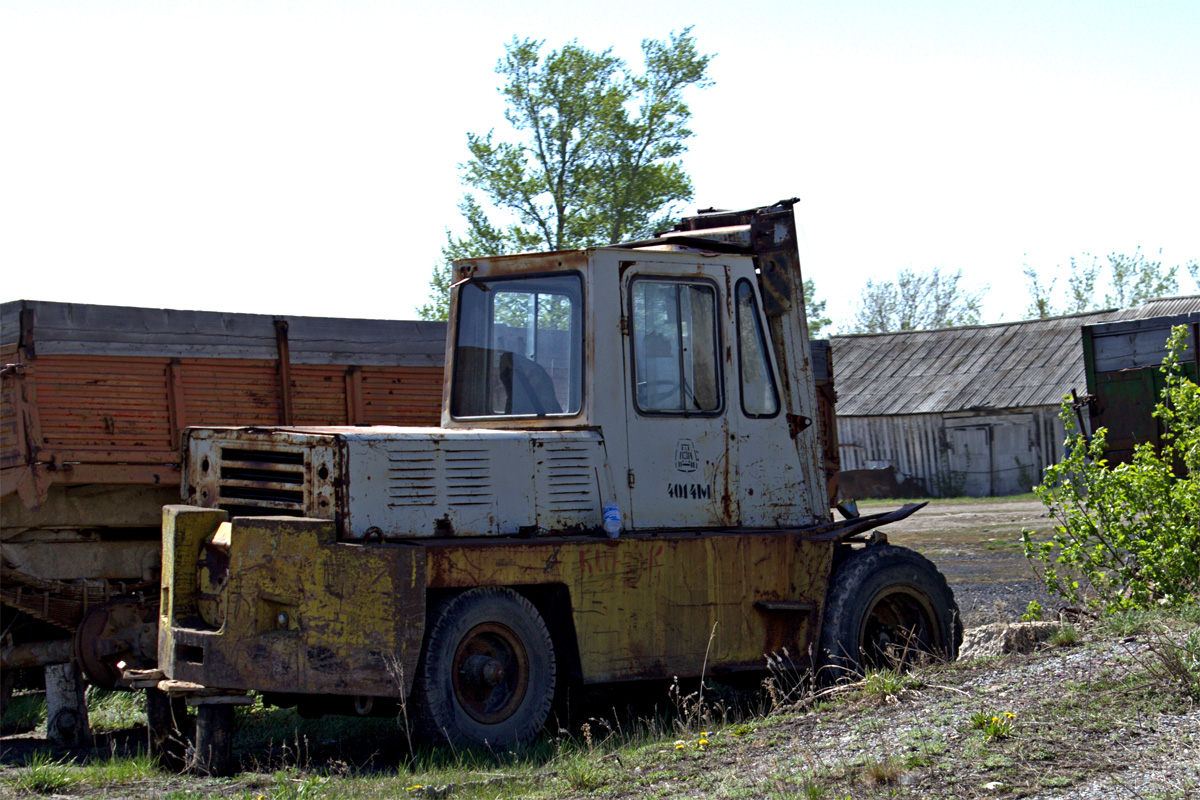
(468, 476)
(412, 477)
(461, 472)
(571, 478)
(261, 482)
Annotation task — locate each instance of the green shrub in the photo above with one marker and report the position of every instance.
(1127, 536)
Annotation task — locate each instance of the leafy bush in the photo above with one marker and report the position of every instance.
(1128, 536)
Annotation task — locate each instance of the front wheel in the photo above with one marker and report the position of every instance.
(888, 607)
(488, 672)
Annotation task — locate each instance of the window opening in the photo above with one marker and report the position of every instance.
(676, 347)
(519, 347)
(760, 398)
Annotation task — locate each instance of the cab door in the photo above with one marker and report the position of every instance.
(682, 464)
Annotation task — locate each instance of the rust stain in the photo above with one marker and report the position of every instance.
(645, 606)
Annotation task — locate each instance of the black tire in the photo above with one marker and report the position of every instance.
(487, 672)
(888, 607)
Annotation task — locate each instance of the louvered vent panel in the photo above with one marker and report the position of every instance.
(571, 477)
(468, 476)
(413, 475)
(262, 482)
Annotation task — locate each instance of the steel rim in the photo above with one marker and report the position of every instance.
(490, 673)
(898, 629)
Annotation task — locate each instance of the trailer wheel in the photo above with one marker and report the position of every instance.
(488, 671)
(888, 607)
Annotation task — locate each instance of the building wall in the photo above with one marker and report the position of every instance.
(978, 454)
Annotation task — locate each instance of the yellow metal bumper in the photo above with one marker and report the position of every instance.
(303, 613)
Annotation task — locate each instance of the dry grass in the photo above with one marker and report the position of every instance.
(1115, 717)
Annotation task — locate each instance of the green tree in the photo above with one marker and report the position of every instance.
(595, 158)
(917, 301)
(1127, 536)
(815, 309)
(1126, 280)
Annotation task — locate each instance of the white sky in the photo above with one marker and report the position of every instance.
(301, 157)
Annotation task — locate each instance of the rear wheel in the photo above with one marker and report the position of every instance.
(488, 672)
(888, 607)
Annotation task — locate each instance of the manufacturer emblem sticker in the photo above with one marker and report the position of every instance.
(686, 459)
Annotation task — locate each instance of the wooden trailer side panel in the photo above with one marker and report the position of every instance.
(101, 394)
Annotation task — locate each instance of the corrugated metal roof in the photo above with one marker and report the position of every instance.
(1007, 365)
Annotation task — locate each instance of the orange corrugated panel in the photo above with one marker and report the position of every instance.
(403, 395)
(102, 401)
(319, 394)
(223, 391)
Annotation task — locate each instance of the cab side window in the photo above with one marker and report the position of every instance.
(676, 347)
(759, 395)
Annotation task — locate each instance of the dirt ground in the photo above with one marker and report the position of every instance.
(977, 546)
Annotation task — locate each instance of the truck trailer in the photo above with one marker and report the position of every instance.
(93, 403)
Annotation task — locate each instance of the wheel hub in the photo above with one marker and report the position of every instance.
(491, 673)
(482, 671)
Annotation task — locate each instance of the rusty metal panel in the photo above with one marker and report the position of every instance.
(224, 391)
(658, 606)
(319, 394)
(12, 441)
(303, 613)
(103, 402)
(402, 395)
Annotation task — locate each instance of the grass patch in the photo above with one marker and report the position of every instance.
(45, 775)
(582, 773)
(114, 711)
(885, 683)
(1065, 636)
(882, 771)
(993, 724)
(25, 710)
(116, 771)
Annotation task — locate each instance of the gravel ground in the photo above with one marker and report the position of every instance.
(1071, 738)
(976, 545)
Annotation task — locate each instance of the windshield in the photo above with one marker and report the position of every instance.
(519, 347)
